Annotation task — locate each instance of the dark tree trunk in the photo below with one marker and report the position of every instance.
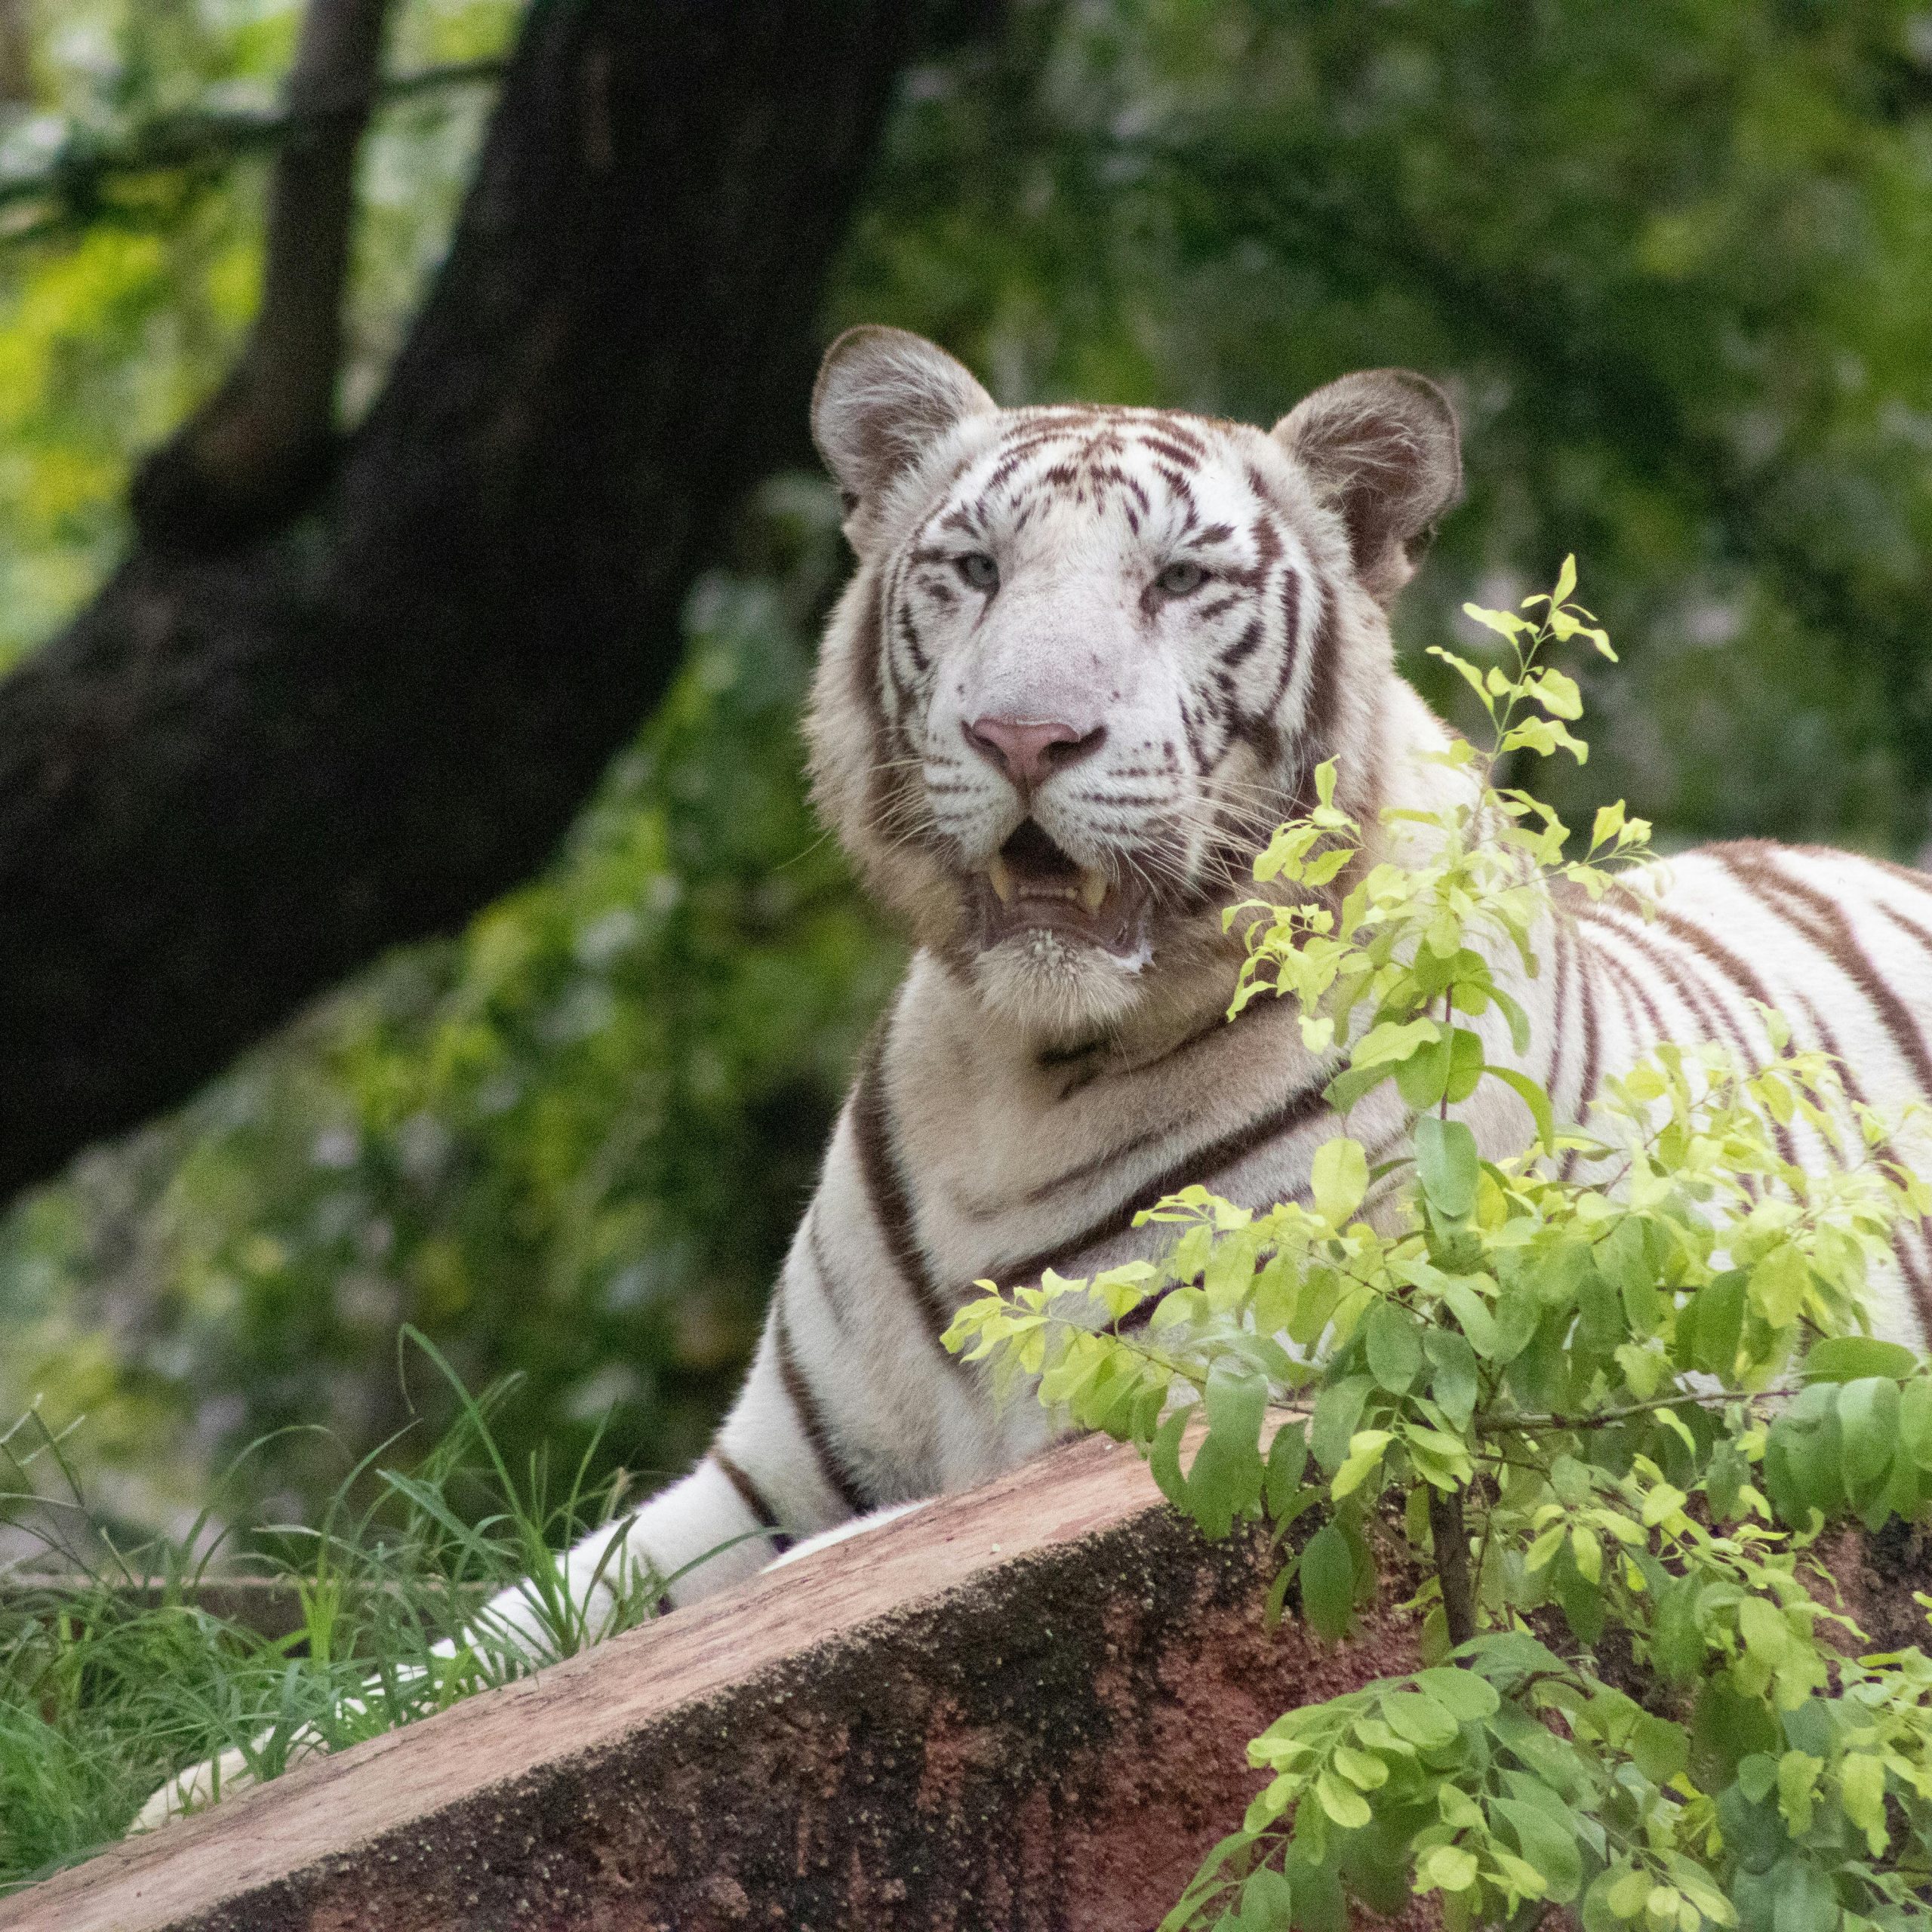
(239, 775)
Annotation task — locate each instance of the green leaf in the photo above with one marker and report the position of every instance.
(1349, 1085)
(1364, 1457)
(1915, 1421)
(1764, 1629)
(1517, 1317)
(1339, 1179)
(1862, 1787)
(1267, 1902)
(1422, 1079)
(1393, 1344)
(1392, 1040)
(1854, 1357)
(1533, 1097)
(1802, 1462)
(1543, 736)
(1661, 1749)
(1328, 1584)
(1468, 1698)
(1163, 1458)
(1321, 1906)
(1447, 1165)
(1728, 1472)
(1422, 1720)
(1557, 693)
(1643, 1306)
(1342, 1802)
(1362, 1769)
(1779, 1284)
(1806, 1901)
(1627, 1894)
(1546, 1845)
(1519, 1021)
(1226, 1480)
(1236, 1400)
(1452, 1381)
(1600, 1307)
(1508, 1657)
(1337, 1409)
(1713, 1325)
(1758, 1776)
(1586, 1551)
(1581, 1601)
(1225, 1483)
(1446, 1867)
(1477, 1321)
(1287, 1464)
(1467, 1065)
(1868, 1430)
(1441, 1460)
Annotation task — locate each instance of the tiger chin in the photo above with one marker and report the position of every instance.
(1088, 658)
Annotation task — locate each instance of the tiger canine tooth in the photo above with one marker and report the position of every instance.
(1093, 890)
(1000, 878)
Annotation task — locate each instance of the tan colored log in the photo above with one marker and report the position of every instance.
(1023, 1708)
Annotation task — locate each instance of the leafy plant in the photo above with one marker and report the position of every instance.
(112, 1681)
(1559, 1379)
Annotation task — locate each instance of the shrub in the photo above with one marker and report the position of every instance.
(1617, 1384)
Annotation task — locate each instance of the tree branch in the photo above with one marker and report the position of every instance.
(261, 443)
(1450, 1536)
(67, 193)
(238, 777)
(1703, 1398)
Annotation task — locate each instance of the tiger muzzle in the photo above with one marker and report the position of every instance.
(1030, 885)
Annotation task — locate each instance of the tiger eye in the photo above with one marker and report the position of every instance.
(979, 571)
(1181, 577)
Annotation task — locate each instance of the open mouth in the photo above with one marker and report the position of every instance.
(1030, 884)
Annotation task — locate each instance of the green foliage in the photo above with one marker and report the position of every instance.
(113, 326)
(110, 1685)
(1561, 1378)
(1673, 261)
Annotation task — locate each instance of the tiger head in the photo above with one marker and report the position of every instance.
(1091, 655)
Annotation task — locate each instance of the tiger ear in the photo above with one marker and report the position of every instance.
(1383, 449)
(883, 398)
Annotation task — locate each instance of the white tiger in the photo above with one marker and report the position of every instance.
(1088, 658)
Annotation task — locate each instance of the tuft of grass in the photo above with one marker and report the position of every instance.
(118, 1675)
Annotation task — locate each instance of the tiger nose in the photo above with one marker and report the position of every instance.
(1030, 750)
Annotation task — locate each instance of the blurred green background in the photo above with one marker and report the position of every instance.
(1675, 262)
